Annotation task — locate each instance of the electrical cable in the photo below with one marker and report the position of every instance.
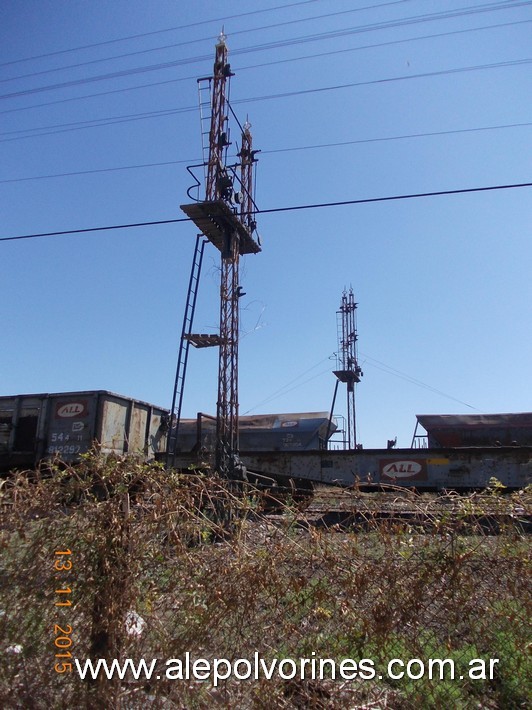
(196, 41)
(412, 380)
(155, 32)
(334, 34)
(287, 391)
(394, 138)
(126, 118)
(291, 385)
(377, 45)
(103, 170)
(369, 200)
(370, 361)
(302, 92)
(276, 45)
(270, 64)
(342, 203)
(503, 4)
(274, 151)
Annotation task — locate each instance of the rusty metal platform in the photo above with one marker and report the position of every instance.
(347, 375)
(203, 340)
(215, 220)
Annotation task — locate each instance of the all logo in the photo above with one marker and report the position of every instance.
(403, 468)
(71, 409)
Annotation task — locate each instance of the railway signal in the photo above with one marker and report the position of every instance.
(225, 217)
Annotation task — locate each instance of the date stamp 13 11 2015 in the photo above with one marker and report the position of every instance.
(63, 631)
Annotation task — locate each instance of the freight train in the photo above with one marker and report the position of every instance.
(455, 452)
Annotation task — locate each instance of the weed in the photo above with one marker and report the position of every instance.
(166, 564)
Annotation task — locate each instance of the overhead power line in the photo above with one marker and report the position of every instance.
(408, 378)
(422, 75)
(111, 120)
(342, 203)
(201, 39)
(334, 34)
(502, 5)
(156, 32)
(368, 200)
(291, 149)
(271, 63)
(294, 384)
(290, 386)
(430, 134)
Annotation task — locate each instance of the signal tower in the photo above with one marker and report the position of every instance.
(347, 367)
(225, 218)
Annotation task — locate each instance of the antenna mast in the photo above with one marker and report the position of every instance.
(347, 367)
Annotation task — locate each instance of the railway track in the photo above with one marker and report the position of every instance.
(426, 513)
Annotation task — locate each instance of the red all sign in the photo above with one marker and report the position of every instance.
(403, 468)
(70, 410)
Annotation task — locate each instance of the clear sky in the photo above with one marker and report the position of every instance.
(347, 101)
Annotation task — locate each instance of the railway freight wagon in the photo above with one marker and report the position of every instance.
(40, 426)
(286, 447)
(460, 469)
(261, 432)
(456, 452)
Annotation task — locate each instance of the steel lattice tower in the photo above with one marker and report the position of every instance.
(219, 135)
(348, 369)
(225, 218)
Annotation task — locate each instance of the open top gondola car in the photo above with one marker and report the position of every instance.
(40, 426)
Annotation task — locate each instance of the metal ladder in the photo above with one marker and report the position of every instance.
(205, 111)
(184, 345)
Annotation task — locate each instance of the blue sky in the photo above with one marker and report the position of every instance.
(443, 283)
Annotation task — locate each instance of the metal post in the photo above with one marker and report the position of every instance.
(227, 404)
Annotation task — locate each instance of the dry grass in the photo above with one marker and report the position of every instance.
(209, 574)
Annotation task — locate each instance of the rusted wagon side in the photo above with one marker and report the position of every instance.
(459, 430)
(39, 426)
(301, 431)
(424, 469)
